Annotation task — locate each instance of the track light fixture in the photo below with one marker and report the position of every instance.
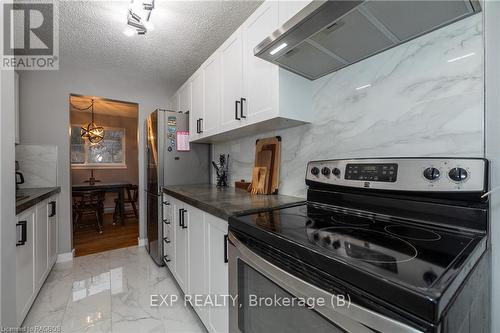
(140, 22)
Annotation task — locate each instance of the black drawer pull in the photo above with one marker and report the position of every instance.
(166, 203)
(166, 259)
(165, 239)
(241, 113)
(52, 209)
(184, 226)
(236, 110)
(24, 233)
(180, 217)
(225, 249)
(166, 221)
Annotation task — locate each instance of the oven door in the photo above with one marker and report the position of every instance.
(262, 288)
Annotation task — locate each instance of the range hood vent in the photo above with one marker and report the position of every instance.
(326, 36)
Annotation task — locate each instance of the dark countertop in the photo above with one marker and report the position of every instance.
(228, 201)
(35, 195)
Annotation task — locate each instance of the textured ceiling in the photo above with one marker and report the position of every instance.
(185, 34)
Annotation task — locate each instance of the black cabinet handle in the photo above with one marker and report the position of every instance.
(166, 203)
(236, 110)
(184, 226)
(197, 125)
(52, 209)
(201, 125)
(166, 221)
(225, 249)
(24, 236)
(166, 259)
(165, 239)
(241, 113)
(180, 217)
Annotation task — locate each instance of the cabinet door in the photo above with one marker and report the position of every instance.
(287, 9)
(52, 230)
(212, 96)
(232, 80)
(197, 256)
(181, 250)
(260, 84)
(41, 242)
(25, 285)
(217, 271)
(197, 104)
(185, 98)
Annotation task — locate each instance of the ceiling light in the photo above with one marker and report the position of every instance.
(462, 57)
(139, 13)
(278, 48)
(363, 87)
(93, 133)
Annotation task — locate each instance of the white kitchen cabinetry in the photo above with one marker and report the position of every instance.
(217, 271)
(232, 81)
(212, 95)
(41, 241)
(36, 251)
(206, 267)
(180, 244)
(197, 261)
(197, 104)
(25, 263)
(185, 98)
(52, 231)
(244, 95)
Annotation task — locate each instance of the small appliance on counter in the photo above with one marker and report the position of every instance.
(389, 245)
(19, 176)
(170, 160)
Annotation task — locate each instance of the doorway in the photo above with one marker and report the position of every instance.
(104, 173)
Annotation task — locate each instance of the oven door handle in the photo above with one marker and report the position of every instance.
(352, 318)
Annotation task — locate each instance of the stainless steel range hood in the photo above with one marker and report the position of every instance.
(326, 36)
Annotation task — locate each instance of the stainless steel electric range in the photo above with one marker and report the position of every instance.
(382, 245)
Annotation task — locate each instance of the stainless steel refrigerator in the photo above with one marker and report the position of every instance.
(169, 161)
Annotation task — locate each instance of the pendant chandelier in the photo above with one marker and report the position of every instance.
(91, 131)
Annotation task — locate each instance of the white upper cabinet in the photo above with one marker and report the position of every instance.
(243, 95)
(185, 98)
(260, 77)
(212, 82)
(232, 80)
(287, 9)
(197, 105)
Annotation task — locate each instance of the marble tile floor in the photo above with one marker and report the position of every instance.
(110, 292)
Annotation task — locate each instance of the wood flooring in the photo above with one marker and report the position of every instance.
(88, 240)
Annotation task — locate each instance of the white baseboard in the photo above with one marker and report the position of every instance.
(142, 241)
(64, 257)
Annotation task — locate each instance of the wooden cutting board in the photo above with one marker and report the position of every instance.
(268, 155)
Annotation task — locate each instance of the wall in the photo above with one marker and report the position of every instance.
(129, 174)
(418, 104)
(38, 164)
(44, 119)
(7, 200)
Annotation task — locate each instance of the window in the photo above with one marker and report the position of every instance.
(109, 153)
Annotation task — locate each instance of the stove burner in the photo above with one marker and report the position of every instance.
(365, 245)
(413, 233)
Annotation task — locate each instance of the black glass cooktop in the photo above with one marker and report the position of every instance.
(401, 251)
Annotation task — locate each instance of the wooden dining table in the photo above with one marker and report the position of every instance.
(116, 187)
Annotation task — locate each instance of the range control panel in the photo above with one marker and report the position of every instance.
(403, 174)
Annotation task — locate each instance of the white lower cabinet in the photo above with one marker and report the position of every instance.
(36, 252)
(203, 271)
(25, 263)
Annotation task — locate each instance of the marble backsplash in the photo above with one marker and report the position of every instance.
(38, 164)
(422, 98)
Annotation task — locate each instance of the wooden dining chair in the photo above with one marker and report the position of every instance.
(88, 203)
(132, 194)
